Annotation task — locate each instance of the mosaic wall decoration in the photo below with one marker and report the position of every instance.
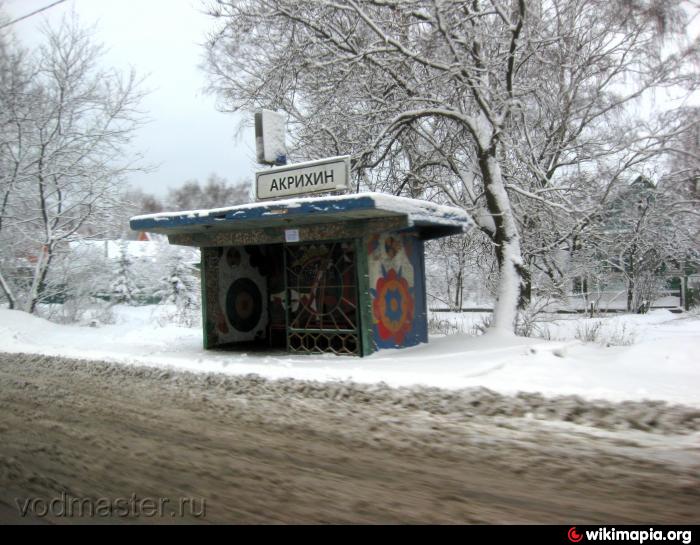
(397, 290)
(235, 293)
(213, 316)
(246, 290)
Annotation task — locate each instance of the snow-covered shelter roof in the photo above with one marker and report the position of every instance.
(431, 220)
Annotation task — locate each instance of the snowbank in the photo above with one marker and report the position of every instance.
(661, 365)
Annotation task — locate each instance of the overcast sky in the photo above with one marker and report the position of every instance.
(187, 137)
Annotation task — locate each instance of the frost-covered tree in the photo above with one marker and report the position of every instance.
(124, 289)
(461, 271)
(80, 279)
(180, 287)
(217, 192)
(643, 237)
(513, 110)
(65, 125)
(15, 78)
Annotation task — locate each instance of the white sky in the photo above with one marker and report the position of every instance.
(187, 137)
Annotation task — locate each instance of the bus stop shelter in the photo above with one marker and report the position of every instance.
(337, 274)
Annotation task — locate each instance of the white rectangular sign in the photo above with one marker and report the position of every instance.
(269, 137)
(320, 176)
(291, 235)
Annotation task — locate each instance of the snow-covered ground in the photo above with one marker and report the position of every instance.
(662, 363)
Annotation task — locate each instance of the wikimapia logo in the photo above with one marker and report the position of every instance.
(574, 536)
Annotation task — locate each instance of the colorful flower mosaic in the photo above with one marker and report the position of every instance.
(393, 306)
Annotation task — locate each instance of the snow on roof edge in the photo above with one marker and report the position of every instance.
(416, 209)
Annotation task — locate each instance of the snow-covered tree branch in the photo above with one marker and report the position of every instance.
(520, 112)
(66, 123)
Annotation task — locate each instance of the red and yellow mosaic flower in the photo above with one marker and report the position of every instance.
(393, 307)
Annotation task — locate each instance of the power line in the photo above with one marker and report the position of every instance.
(30, 14)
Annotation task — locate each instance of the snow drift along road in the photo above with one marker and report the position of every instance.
(660, 365)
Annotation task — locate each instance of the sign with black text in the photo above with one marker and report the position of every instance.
(311, 177)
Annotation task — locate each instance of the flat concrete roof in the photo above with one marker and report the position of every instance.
(429, 219)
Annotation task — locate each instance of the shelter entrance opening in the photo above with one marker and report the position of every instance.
(322, 297)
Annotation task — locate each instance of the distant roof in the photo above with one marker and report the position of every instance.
(431, 220)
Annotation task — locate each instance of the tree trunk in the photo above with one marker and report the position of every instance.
(458, 293)
(8, 292)
(40, 272)
(507, 243)
(526, 291)
(630, 294)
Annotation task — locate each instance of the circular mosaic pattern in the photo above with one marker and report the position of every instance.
(244, 304)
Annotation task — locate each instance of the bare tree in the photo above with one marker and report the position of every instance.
(461, 270)
(63, 153)
(644, 238)
(15, 79)
(133, 201)
(217, 192)
(513, 110)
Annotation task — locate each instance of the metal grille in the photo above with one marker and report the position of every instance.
(322, 298)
